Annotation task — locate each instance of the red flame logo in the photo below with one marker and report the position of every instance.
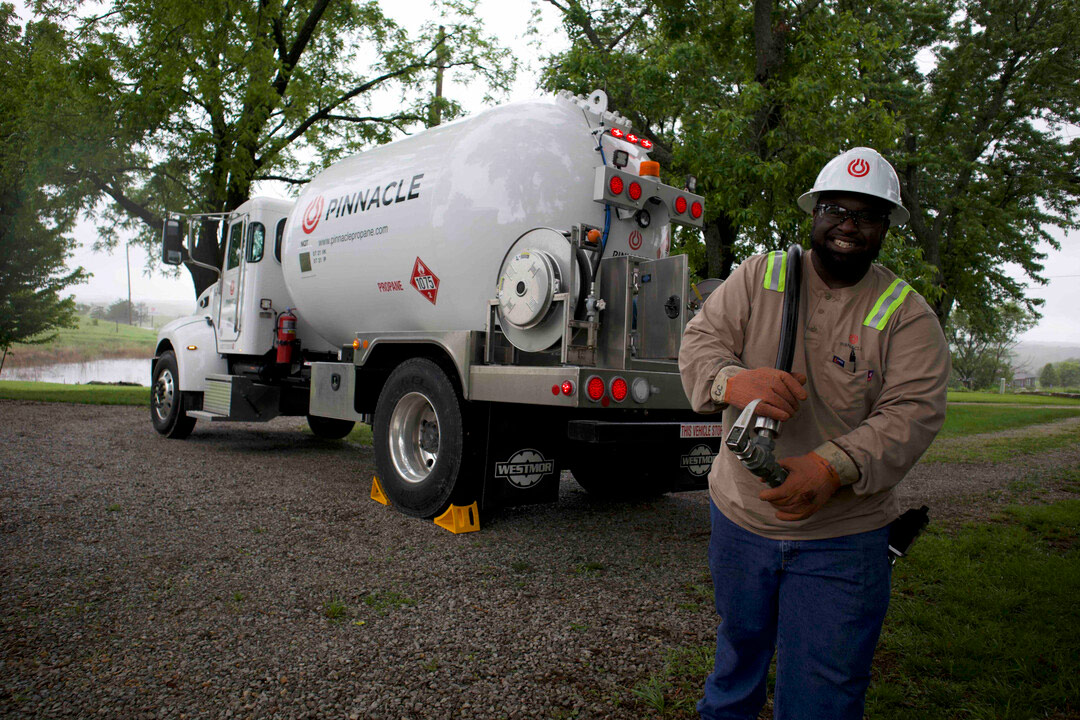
(858, 168)
(312, 215)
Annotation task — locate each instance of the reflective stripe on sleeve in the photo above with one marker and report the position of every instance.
(776, 271)
(886, 304)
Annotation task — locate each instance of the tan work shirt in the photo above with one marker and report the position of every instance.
(881, 409)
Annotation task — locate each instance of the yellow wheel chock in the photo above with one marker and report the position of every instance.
(377, 493)
(460, 519)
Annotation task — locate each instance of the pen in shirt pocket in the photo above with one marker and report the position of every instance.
(851, 360)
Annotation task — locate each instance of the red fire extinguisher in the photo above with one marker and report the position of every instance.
(286, 336)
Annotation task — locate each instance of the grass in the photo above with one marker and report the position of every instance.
(1003, 449)
(85, 394)
(963, 420)
(91, 340)
(1009, 398)
(385, 601)
(982, 624)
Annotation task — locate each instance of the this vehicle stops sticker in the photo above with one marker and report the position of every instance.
(701, 430)
(425, 281)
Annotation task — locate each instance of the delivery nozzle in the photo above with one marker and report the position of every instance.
(753, 440)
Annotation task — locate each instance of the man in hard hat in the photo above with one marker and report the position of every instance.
(804, 568)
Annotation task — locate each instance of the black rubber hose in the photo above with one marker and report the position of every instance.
(789, 326)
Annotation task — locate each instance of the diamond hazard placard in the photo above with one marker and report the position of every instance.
(425, 281)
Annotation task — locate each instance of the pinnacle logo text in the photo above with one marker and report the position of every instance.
(395, 191)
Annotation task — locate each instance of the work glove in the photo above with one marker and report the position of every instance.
(811, 481)
(779, 392)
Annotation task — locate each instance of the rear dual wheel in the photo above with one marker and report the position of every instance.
(419, 436)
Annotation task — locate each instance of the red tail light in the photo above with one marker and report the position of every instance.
(594, 388)
(616, 185)
(695, 210)
(567, 388)
(619, 388)
(680, 204)
(554, 389)
(635, 191)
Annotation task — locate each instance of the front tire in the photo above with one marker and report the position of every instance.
(419, 437)
(329, 428)
(167, 400)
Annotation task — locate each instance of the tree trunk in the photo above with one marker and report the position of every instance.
(720, 236)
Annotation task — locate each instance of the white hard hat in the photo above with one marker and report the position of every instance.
(860, 170)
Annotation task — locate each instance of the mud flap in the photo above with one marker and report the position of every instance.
(520, 464)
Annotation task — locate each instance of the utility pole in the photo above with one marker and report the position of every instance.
(127, 258)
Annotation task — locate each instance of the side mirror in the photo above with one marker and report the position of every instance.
(172, 243)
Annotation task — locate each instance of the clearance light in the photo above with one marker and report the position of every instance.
(680, 204)
(695, 210)
(632, 138)
(617, 133)
(647, 144)
(634, 191)
(192, 347)
(555, 389)
(616, 185)
(619, 389)
(356, 344)
(567, 388)
(594, 388)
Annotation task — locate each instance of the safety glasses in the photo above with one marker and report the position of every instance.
(835, 215)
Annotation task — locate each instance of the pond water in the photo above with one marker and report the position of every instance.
(136, 370)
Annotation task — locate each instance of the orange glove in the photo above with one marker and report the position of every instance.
(780, 392)
(811, 481)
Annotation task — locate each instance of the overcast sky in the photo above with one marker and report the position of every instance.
(508, 20)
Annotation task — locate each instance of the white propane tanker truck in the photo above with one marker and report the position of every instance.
(494, 296)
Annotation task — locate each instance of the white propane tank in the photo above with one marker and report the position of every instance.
(411, 236)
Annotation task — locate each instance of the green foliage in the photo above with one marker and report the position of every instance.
(1068, 372)
(33, 250)
(88, 340)
(754, 98)
(981, 344)
(1049, 377)
(182, 106)
(985, 164)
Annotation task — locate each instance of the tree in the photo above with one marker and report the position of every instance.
(1048, 377)
(982, 344)
(985, 165)
(1069, 373)
(751, 98)
(33, 253)
(177, 105)
(755, 97)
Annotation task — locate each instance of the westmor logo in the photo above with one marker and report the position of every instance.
(698, 461)
(525, 468)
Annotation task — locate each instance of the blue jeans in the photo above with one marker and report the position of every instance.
(819, 603)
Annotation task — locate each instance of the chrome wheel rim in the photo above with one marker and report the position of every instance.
(164, 395)
(414, 437)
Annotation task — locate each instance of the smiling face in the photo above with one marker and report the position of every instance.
(844, 250)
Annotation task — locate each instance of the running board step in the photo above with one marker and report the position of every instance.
(205, 415)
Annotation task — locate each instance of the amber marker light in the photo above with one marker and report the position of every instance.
(356, 344)
(649, 168)
(192, 347)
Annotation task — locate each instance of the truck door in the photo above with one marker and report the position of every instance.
(230, 297)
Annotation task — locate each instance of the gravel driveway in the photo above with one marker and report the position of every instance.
(245, 572)
(144, 577)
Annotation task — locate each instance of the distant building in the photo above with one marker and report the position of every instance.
(1024, 380)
